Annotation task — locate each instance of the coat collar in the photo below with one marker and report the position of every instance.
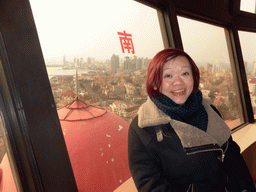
(217, 130)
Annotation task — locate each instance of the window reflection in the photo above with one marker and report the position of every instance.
(248, 44)
(206, 44)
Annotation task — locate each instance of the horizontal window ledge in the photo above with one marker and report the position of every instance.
(245, 137)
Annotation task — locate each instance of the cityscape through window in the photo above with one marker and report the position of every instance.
(97, 60)
(248, 44)
(207, 46)
(74, 119)
(111, 69)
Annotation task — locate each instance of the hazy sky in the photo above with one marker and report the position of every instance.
(203, 42)
(81, 28)
(248, 44)
(248, 5)
(89, 28)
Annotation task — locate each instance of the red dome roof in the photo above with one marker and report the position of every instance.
(96, 140)
(79, 111)
(7, 183)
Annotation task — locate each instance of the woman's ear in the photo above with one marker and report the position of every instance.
(155, 87)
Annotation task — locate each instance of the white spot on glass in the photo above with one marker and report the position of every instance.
(120, 127)
(108, 135)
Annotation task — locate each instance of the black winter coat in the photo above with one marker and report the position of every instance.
(168, 155)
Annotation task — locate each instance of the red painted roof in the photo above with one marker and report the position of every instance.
(127, 186)
(78, 111)
(219, 100)
(96, 140)
(97, 145)
(7, 183)
(220, 94)
(116, 103)
(68, 94)
(253, 81)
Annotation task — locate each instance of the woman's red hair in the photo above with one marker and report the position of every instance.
(155, 70)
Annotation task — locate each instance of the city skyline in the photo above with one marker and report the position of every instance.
(85, 29)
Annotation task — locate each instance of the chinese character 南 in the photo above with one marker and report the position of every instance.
(126, 42)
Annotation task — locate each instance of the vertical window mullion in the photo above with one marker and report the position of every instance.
(240, 73)
(42, 157)
(172, 21)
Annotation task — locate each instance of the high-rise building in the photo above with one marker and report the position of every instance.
(132, 67)
(216, 68)
(89, 60)
(139, 63)
(117, 62)
(146, 62)
(127, 63)
(209, 67)
(114, 63)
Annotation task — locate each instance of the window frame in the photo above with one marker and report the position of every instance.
(29, 131)
(29, 110)
(227, 15)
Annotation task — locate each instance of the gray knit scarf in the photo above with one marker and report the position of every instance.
(191, 112)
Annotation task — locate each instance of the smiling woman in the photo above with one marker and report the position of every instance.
(156, 70)
(89, 36)
(178, 141)
(178, 82)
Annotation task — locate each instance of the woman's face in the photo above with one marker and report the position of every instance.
(177, 80)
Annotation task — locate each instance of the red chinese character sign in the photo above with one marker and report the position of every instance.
(126, 42)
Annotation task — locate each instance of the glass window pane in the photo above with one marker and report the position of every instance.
(96, 54)
(207, 46)
(248, 6)
(248, 44)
